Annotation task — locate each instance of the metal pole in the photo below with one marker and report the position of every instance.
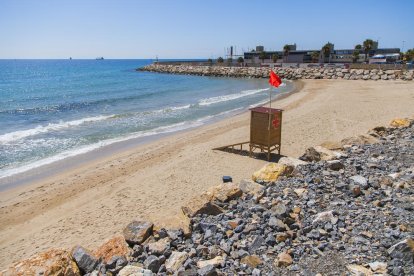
(270, 106)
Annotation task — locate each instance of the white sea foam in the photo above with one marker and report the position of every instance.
(88, 148)
(20, 134)
(230, 97)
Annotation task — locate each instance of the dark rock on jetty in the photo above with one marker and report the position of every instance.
(287, 73)
(349, 213)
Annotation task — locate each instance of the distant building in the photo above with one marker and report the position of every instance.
(305, 56)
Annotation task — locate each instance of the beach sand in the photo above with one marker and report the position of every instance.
(88, 204)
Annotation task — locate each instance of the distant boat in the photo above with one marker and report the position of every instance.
(70, 58)
(99, 58)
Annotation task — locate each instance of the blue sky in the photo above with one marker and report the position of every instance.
(195, 28)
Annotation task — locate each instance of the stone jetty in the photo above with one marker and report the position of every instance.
(345, 209)
(287, 73)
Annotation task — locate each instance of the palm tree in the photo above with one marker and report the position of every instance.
(286, 50)
(315, 56)
(326, 50)
(358, 47)
(262, 56)
(210, 61)
(275, 57)
(240, 60)
(220, 60)
(368, 44)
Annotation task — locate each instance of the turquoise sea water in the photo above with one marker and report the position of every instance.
(54, 109)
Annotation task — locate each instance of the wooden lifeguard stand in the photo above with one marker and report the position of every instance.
(265, 131)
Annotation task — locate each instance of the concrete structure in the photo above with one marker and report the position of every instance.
(305, 56)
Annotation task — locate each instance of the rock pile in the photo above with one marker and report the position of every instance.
(287, 73)
(347, 212)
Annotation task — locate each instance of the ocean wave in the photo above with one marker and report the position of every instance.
(20, 134)
(230, 97)
(69, 106)
(88, 148)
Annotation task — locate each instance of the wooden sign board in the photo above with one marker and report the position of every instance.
(265, 129)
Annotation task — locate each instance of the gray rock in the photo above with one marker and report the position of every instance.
(137, 232)
(84, 259)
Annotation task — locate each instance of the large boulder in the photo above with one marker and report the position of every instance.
(271, 172)
(359, 140)
(290, 161)
(54, 262)
(400, 123)
(85, 259)
(138, 231)
(116, 246)
(250, 187)
(202, 204)
(226, 192)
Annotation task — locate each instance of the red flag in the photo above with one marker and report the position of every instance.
(274, 79)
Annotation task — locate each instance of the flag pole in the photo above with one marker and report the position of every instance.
(270, 106)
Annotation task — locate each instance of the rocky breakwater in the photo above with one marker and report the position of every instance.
(347, 211)
(287, 73)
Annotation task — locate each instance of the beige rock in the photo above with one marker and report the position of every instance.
(359, 270)
(131, 270)
(283, 259)
(290, 161)
(116, 246)
(160, 246)
(300, 191)
(378, 267)
(400, 123)
(271, 172)
(250, 187)
(175, 261)
(217, 261)
(327, 154)
(360, 140)
(251, 260)
(226, 192)
(201, 204)
(54, 262)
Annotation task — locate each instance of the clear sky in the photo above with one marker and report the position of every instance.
(195, 28)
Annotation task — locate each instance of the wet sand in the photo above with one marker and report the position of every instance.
(89, 203)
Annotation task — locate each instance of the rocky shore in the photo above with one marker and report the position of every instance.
(287, 73)
(343, 209)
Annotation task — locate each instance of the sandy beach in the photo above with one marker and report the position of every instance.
(92, 202)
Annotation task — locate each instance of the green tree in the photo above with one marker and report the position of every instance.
(240, 60)
(210, 61)
(367, 45)
(326, 50)
(220, 60)
(229, 61)
(358, 47)
(409, 55)
(286, 50)
(315, 56)
(355, 56)
(262, 56)
(275, 57)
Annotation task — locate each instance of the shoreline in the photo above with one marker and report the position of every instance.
(123, 144)
(97, 200)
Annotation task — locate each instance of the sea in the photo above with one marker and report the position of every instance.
(52, 110)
